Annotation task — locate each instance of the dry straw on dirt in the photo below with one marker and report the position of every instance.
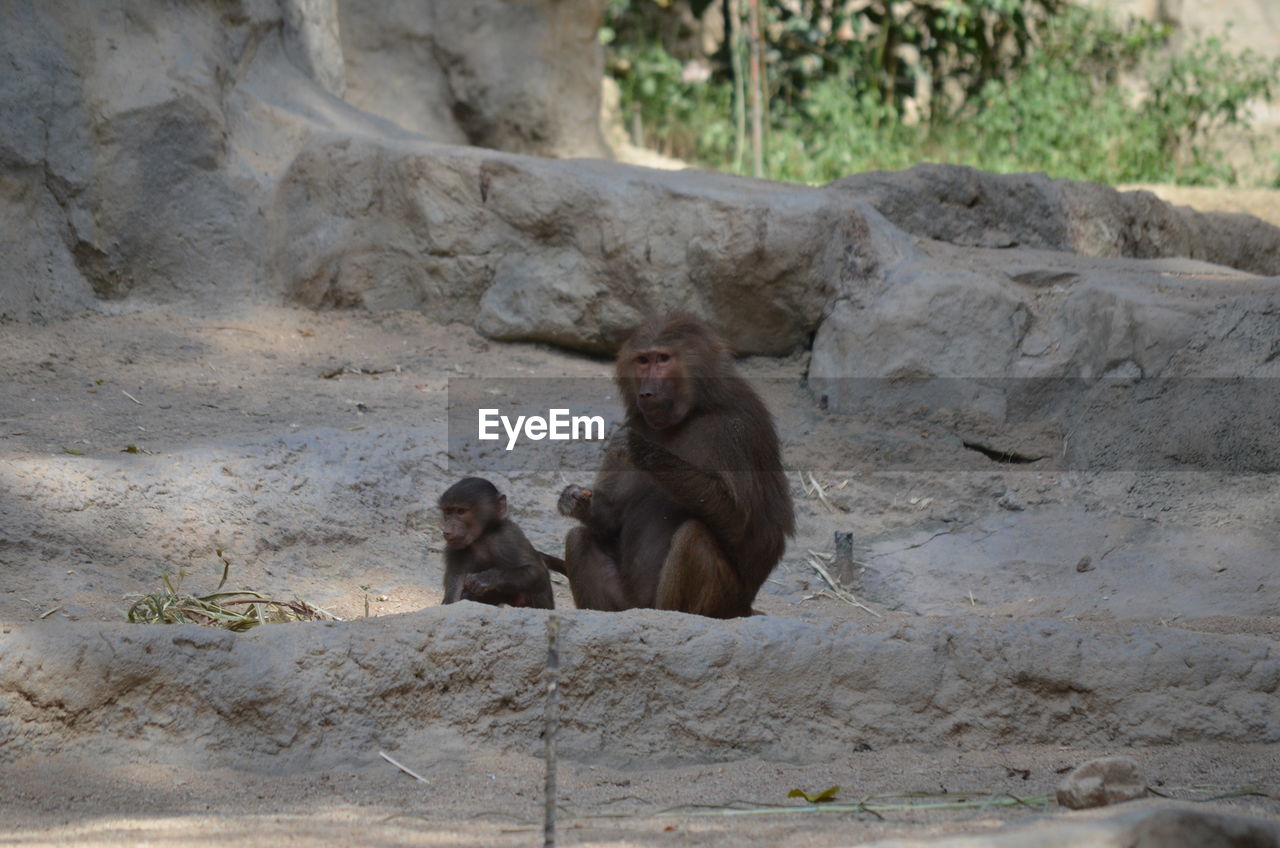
(236, 609)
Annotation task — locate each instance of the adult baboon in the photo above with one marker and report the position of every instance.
(690, 510)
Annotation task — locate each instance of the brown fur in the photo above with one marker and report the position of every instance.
(487, 558)
(691, 509)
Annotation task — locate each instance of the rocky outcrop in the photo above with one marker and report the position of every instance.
(1040, 314)
(517, 76)
(1153, 825)
(142, 143)
(138, 148)
(971, 208)
(573, 253)
(637, 684)
(1139, 364)
(203, 152)
(1102, 782)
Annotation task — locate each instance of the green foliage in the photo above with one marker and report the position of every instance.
(687, 120)
(898, 47)
(1200, 91)
(835, 132)
(1002, 85)
(890, 46)
(1066, 113)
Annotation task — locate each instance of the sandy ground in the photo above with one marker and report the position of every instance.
(95, 410)
(493, 799)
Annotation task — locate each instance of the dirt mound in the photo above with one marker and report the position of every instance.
(986, 650)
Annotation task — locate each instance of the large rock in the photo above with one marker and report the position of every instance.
(1154, 825)
(136, 152)
(979, 313)
(517, 75)
(573, 253)
(141, 143)
(638, 684)
(1101, 782)
(201, 152)
(971, 208)
(1142, 363)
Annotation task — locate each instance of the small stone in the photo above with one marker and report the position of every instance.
(1101, 782)
(1009, 502)
(1085, 564)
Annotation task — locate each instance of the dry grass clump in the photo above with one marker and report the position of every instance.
(238, 609)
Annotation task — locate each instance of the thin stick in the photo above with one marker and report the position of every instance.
(736, 51)
(822, 496)
(842, 594)
(131, 397)
(553, 722)
(757, 90)
(862, 807)
(224, 327)
(402, 767)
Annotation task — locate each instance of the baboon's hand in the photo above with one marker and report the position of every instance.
(474, 588)
(575, 502)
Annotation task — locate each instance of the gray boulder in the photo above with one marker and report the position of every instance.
(138, 149)
(523, 77)
(202, 153)
(574, 253)
(696, 689)
(1144, 363)
(1156, 825)
(1101, 782)
(972, 208)
(142, 145)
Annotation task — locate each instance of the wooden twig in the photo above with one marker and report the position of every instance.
(757, 88)
(736, 54)
(869, 804)
(843, 558)
(131, 397)
(402, 767)
(553, 723)
(817, 490)
(841, 593)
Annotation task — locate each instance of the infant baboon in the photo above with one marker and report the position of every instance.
(487, 558)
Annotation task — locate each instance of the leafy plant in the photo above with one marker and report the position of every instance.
(1002, 85)
(669, 114)
(1199, 91)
